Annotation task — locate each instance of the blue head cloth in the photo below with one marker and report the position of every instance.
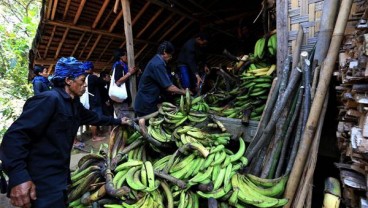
(87, 65)
(68, 67)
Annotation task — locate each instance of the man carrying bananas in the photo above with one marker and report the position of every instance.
(35, 150)
(153, 80)
(191, 54)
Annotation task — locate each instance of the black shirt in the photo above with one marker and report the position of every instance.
(37, 145)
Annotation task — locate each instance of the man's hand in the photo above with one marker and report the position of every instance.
(199, 80)
(132, 70)
(125, 120)
(207, 70)
(22, 194)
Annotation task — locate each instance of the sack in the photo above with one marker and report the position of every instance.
(84, 99)
(117, 93)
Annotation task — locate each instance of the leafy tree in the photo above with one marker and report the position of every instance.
(18, 23)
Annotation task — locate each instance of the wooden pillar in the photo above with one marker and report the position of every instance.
(129, 45)
(282, 22)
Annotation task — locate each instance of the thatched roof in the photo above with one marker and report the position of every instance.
(91, 30)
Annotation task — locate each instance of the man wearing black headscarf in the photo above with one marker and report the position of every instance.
(35, 150)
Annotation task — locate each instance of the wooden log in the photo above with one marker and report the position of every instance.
(365, 126)
(316, 109)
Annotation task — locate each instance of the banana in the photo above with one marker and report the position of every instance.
(132, 179)
(200, 177)
(194, 165)
(155, 121)
(183, 202)
(84, 173)
(198, 167)
(195, 200)
(118, 176)
(228, 171)
(161, 161)
(215, 172)
(274, 191)
(196, 100)
(219, 179)
(271, 70)
(182, 163)
(196, 119)
(150, 174)
(233, 200)
(197, 134)
(168, 193)
(226, 162)
(168, 104)
(261, 47)
(240, 152)
(181, 173)
(217, 193)
(187, 100)
(217, 148)
(128, 164)
(177, 116)
(156, 134)
(221, 157)
(263, 182)
(181, 121)
(208, 161)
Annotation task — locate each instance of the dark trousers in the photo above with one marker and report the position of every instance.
(51, 200)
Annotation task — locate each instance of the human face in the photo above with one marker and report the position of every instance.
(166, 57)
(44, 73)
(76, 87)
(124, 58)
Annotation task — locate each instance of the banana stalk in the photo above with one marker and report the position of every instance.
(180, 183)
(332, 193)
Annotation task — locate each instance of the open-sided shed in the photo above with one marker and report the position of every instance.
(92, 29)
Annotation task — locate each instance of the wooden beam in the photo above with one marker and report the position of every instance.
(106, 18)
(54, 9)
(172, 9)
(94, 46)
(66, 9)
(129, 46)
(141, 11)
(85, 46)
(152, 19)
(100, 13)
(169, 18)
(77, 45)
(49, 9)
(79, 12)
(49, 43)
(94, 31)
(61, 43)
(112, 26)
(106, 47)
(181, 30)
(49, 70)
(48, 62)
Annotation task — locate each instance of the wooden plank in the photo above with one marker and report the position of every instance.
(61, 43)
(282, 32)
(49, 9)
(100, 13)
(129, 46)
(77, 45)
(54, 8)
(104, 50)
(151, 20)
(311, 18)
(85, 46)
(181, 30)
(49, 43)
(66, 9)
(116, 20)
(79, 11)
(94, 46)
(141, 12)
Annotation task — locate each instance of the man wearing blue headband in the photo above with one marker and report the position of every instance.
(35, 150)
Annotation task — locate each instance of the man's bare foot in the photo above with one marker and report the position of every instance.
(98, 138)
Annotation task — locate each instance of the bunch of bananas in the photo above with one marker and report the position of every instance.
(256, 83)
(259, 48)
(199, 104)
(272, 45)
(248, 191)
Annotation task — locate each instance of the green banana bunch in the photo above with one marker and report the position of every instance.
(272, 45)
(248, 195)
(259, 48)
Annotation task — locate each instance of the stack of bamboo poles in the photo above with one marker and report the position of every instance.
(288, 135)
(352, 130)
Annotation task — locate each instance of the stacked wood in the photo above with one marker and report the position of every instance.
(352, 129)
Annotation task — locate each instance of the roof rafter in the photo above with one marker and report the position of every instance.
(79, 12)
(100, 13)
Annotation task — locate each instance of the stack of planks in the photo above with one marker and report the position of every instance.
(352, 129)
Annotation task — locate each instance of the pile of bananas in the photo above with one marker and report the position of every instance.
(255, 85)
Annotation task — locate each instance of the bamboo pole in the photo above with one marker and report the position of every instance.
(302, 193)
(325, 32)
(316, 109)
(297, 47)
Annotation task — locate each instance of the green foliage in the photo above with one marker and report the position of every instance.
(18, 24)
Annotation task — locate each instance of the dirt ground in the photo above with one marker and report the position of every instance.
(76, 155)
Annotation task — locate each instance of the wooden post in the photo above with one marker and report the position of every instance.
(129, 46)
(323, 86)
